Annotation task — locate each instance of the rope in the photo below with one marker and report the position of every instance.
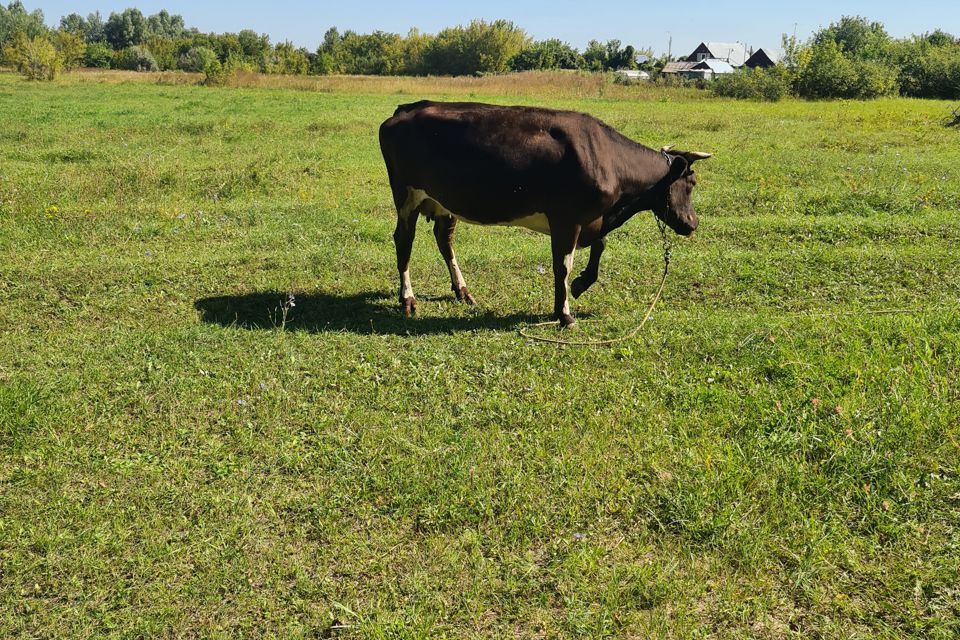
(667, 254)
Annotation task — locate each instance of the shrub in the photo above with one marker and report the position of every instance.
(71, 48)
(828, 73)
(288, 60)
(770, 85)
(36, 58)
(215, 73)
(135, 59)
(198, 59)
(98, 55)
(930, 71)
(874, 79)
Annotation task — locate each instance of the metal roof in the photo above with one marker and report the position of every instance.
(677, 67)
(717, 66)
(733, 52)
(775, 55)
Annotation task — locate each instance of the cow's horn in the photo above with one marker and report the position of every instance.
(666, 148)
(698, 155)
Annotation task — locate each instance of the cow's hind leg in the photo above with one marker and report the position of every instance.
(443, 229)
(403, 236)
(589, 274)
(563, 243)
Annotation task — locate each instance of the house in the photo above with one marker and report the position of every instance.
(706, 69)
(734, 53)
(764, 58)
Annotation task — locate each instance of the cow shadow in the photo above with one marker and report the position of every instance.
(365, 313)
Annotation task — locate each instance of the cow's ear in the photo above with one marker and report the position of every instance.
(678, 166)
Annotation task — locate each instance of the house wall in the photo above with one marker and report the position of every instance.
(699, 53)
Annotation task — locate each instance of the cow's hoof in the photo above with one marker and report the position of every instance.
(463, 295)
(577, 287)
(408, 306)
(566, 320)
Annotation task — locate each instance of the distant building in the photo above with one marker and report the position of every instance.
(631, 75)
(709, 69)
(706, 69)
(764, 58)
(733, 53)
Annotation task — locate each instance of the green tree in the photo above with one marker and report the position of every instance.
(929, 70)
(165, 51)
(480, 47)
(166, 25)
(856, 37)
(620, 58)
(377, 53)
(595, 56)
(827, 73)
(288, 60)
(547, 54)
(126, 29)
(253, 47)
(89, 28)
(415, 46)
(98, 55)
(70, 47)
(16, 19)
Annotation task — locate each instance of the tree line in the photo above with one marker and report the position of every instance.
(162, 42)
(855, 58)
(852, 58)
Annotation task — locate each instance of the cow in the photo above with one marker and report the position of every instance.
(561, 173)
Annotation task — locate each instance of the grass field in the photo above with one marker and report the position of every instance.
(768, 459)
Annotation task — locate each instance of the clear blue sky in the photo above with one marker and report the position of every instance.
(642, 24)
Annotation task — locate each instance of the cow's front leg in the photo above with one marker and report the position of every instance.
(403, 239)
(563, 242)
(589, 274)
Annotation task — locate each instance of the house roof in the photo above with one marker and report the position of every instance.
(774, 55)
(717, 66)
(677, 67)
(733, 52)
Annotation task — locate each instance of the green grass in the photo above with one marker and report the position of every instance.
(174, 463)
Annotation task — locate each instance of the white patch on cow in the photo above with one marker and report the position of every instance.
(456, 278)
(568, 261)
(568, 268)
(406, 288)
(420, 199)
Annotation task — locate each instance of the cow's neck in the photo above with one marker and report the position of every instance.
(641, 171)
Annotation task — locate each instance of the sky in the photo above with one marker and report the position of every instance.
(642, 24)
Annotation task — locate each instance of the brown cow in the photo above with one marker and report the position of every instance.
(561, 173)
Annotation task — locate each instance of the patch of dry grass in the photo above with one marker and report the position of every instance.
(547, 84)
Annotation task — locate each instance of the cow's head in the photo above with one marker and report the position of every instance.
(672, 203)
